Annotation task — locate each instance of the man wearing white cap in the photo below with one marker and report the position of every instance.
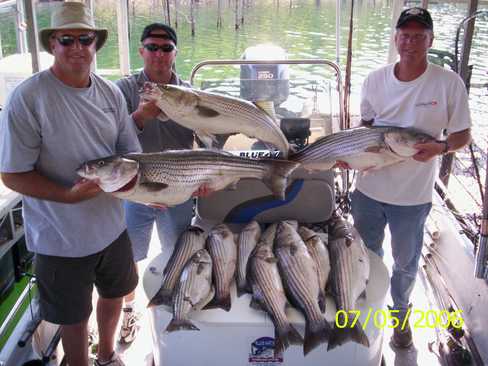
(52, 123)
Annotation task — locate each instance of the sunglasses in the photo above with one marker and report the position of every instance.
(151, 47)
(84, 39)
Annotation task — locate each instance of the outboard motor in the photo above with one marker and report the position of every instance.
(264, 82)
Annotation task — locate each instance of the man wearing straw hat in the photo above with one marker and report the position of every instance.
(54, 121)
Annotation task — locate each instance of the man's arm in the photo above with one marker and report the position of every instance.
(37, 185)
(455, 141)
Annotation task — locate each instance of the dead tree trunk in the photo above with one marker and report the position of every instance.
(176, 13)
(242, 11)
(237, 14)
(168, 15)
(192, 17)
(219, 14)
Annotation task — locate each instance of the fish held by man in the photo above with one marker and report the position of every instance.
(210, 114)
(362, 148)
(194, 290)
(171, 177)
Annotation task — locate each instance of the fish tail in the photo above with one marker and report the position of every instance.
(163, 297)
(180, 324)
(340, 336)
(242, 289)
(315, 336)
(276, 179)
(222, 303)
(288, 335)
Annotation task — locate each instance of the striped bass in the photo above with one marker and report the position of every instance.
(223, 250)
(349, 276)
(189, 242)
(193, 292)
(362, 148)
(171, 177)
(209, 114)
(248, 238)
(268, 292)
(299, 274)
(319, 253)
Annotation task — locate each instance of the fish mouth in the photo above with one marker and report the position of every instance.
(131, 184)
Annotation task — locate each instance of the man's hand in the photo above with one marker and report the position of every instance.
(83, 190)
(146, 110)
(341, 165)
(428, 150)
(203, 191)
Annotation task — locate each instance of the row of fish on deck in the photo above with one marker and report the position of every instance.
(170, 177)
(286, 263)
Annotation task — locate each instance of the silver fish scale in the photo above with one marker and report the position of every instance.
(344, 143)
(235, 106)
(181, 303)
(267, 278)
(247, 242)
(222, 255)
(341, 274)
(191, 241)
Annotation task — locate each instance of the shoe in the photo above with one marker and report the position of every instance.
(402, 338)
(114, 361)
(130, 326)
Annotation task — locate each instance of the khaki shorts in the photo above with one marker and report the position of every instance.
(66, 284)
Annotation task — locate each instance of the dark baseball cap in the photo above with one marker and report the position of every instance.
(416, 14)
(170, 32)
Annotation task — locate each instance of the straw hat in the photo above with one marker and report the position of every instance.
(72, 15)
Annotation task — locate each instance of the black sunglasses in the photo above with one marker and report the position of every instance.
(152, 47)
(84, 39)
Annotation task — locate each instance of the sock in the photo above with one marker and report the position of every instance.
(106, 362)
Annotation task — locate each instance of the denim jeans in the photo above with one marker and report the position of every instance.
(170, 223)
(406, 225)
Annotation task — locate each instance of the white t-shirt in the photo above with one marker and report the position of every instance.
(435, 101)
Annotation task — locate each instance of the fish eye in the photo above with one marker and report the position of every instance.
(101, 163)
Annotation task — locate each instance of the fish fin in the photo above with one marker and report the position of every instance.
(154, 186)
(285, 337)
(363, 294)
(314, 337)
(182, 324)
(206, 112)
(163, 297)
(340, 336)
(267, 107)
(223, 303)
(255, 304)
(277, 176)
(322, 301)
(163, 117)
(206, 138)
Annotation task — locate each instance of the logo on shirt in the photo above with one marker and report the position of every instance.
(108, 110)
(432, 103)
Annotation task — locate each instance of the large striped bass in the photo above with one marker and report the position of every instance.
(223, 250)
(209, 114)
(248, 238)
(362, 148)
(193, 291)
(189, 242)
(299, 274)
(171, 177)
(319, 253)
(349, 276)
(268, 291)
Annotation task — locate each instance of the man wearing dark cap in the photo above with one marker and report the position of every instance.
(409, 93)
(158, 51)
(52, 123)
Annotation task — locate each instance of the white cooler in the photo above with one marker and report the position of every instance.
(244, 336)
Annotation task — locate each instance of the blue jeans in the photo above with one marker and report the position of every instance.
(170, 224)
(407, 234)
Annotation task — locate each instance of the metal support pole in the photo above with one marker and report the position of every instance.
(90, 4)
(123, 35)
(20, 28)
(338, 31)
(395, 13)
(33, 42)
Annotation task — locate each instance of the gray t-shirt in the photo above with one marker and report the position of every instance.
(53, 128)
(156, 135)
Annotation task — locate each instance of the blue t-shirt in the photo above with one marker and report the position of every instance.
(53, 128)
